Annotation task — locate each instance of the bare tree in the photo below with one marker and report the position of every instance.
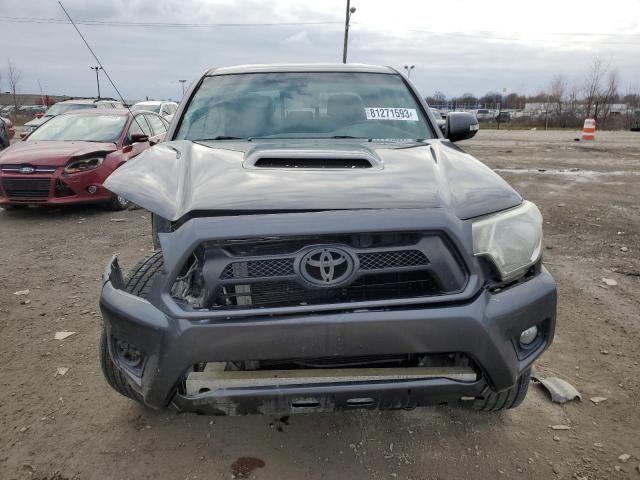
(608, 95)
(15, 76)
(572, 105)
(557, 91)
(439, 98)
(593, 87)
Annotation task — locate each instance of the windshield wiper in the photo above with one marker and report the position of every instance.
(219, 137)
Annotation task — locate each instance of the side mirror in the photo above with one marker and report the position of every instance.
(460, 126)
(139, 138)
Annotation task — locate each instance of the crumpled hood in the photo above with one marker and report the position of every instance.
(55, 154)
(175, 178)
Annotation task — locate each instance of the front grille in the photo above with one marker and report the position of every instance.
(279, 267)
(26, 188)
(299, 271)
(368, 288)
(398, 258)
(15, 168)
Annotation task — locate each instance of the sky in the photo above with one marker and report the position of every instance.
(457, 46)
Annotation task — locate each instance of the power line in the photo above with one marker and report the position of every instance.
(479, 33)
(160, 24)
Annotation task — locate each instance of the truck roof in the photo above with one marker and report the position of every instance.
(301, 67)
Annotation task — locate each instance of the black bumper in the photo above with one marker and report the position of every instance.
(485, 329)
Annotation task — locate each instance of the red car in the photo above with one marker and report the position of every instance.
(67, 159)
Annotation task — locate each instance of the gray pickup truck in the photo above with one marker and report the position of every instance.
(323, 245)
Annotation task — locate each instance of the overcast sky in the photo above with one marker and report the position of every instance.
(456, 46)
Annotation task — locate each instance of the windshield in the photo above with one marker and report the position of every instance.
(295, 105)
(436, 114)
(148, 108)
(60, 108)
(89, 128)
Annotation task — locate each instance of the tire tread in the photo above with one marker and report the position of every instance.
(138, 282)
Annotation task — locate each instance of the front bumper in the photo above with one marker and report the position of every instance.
(485, 328)
(43, 189)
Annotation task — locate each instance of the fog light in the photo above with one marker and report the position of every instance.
(129, 355)
(529, 335)
(92, 189)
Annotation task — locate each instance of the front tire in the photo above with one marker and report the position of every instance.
(511, 398)
(158, 225)
(137, 283)
(117, 203)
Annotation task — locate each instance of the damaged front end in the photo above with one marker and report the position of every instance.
(298, 319)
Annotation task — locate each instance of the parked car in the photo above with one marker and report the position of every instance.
(68, 158)
(635, 121)
(67, 106)
(322, 246)
(166, 109)
(4, 135)
(485, 115)
(10, 129)
(8, 110)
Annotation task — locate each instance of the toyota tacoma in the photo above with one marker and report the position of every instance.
(321, 244)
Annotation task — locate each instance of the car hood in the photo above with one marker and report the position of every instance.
(175, 178)
(50, 153)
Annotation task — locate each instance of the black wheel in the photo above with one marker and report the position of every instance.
(494, 402)
(117, 203)
(138, 283)
(158, 225)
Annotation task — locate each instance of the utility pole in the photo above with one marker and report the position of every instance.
(182, 82)
(97, 70)
(350, 11)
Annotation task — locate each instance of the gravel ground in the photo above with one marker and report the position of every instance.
(75, 427)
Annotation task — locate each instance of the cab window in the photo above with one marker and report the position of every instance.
(157, 124)
(138, 125)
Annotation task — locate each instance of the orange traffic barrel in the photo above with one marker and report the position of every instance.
(589, 129)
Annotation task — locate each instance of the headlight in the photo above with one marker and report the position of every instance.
(511, 239)
(83, 164)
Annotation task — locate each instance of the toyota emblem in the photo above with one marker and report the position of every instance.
(326, 266)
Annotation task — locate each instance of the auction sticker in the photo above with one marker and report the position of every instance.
(390, 113)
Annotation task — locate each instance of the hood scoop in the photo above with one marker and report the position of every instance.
(312, 160)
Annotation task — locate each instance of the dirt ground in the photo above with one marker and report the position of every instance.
(75, 427)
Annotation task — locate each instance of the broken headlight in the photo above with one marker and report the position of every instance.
(78, 165)
(512, 239)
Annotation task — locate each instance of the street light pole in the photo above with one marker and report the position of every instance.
(97, 69)
(408, 69)
(350, 11)
(182, 82)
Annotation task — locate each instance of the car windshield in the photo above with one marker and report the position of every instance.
(60, 108)
(82, 127)
(148, 108)
(308, 104)
(436, 114)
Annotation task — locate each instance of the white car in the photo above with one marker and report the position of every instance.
(166, 109)
(484, 114)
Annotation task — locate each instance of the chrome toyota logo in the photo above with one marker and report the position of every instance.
(27, 170)
(326, 266)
